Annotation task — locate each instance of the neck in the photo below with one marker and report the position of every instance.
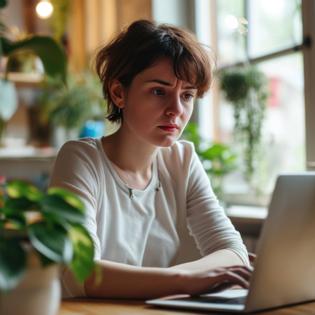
(128, 154)
(132, 159)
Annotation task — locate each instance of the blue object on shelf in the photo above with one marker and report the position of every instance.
(93, 129)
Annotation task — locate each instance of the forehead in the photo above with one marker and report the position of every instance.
(161, 70)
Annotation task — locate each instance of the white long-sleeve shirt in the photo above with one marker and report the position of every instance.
(151, 227)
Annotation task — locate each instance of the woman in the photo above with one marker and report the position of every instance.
(144, 191)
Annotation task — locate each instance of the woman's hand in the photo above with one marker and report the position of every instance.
(132, 282)
(218, 279)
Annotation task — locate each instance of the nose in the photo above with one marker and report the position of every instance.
(175, 107)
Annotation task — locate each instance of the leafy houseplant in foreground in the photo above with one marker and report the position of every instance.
(46, 225)
(50, 222)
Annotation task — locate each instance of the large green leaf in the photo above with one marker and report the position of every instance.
(18, 189)
(68, 196)
(83, 261)
(18, 205)
(3, 3)
(12, 263)
(52, 241)
(47, 49)
(56, 206)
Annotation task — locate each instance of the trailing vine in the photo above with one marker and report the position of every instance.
(246, 89)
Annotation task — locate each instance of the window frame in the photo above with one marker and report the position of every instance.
(308, 22)
(308, 55)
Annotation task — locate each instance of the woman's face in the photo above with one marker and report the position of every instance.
(157, 105)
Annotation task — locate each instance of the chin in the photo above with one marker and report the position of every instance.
(166, 142)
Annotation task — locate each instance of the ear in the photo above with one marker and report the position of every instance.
(117, 93)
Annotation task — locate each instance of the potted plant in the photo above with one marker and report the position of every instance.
(47, 49)
(68, 107)
(217, 158)
(39, 232)
(246, 89)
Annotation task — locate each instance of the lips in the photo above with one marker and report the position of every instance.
(169, 127)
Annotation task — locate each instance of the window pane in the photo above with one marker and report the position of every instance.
(284, 129)
(231, 27)
(273, 25)
(283, 143)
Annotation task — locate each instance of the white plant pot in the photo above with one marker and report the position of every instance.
(38, 293)
(61, 135)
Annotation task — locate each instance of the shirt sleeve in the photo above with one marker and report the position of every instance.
(75, 170)
(207, 221)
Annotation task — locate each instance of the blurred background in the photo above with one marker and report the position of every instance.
(256, 122)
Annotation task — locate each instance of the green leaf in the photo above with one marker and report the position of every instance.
(52, 241)
(56, 206)
(68, 196)
(49, 51)
(3, 3)
(12, 264)
(17, 220)
(18, 205)
(18, 189)
(83, 260)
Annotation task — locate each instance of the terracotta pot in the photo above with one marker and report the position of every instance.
(38, 293)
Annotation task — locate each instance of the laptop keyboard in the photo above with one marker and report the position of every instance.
(216, 300)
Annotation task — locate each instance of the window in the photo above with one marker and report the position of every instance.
(252, 32)
(275, 36)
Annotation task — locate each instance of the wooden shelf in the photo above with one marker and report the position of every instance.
(24, 79)
(27, 153)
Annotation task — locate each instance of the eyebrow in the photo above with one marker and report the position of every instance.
(166, 83)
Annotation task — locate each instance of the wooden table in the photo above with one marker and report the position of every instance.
(123, 307)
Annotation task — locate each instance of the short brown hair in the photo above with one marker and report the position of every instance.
(142, 44)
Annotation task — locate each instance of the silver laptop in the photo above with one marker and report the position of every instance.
(284, 271)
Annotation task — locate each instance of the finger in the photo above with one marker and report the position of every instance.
(248, 268)
(244, 273)
(238, 279)
(221, 286)
(233, 278)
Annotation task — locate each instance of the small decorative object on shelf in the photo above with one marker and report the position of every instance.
(68, 107)
(8, 105)
(50, 53)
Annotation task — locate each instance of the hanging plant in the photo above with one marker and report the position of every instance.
(246, 89)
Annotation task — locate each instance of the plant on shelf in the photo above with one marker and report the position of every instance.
(218, 159)
(70, 106)
(47, 49)
(246, 89)
(38, 232)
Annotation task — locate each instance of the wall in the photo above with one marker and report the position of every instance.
(95, 22)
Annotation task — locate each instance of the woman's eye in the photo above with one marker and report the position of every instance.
(158, 92)
(188, 97)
